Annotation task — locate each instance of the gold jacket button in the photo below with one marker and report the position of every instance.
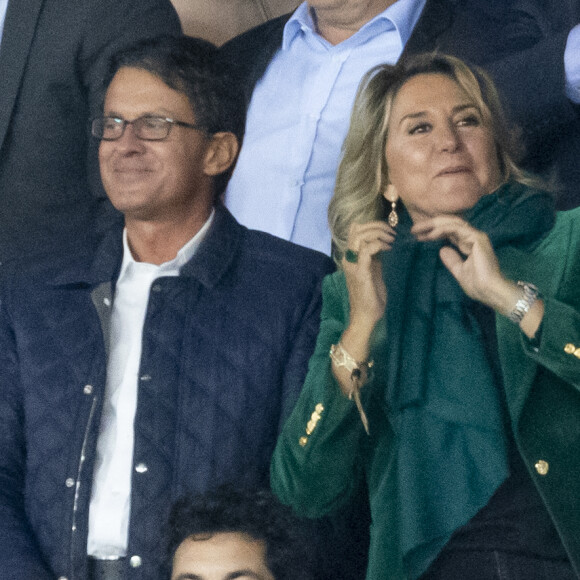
(569, 348)
(303, 441)
(542, 467)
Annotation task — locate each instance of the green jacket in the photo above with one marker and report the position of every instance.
(323, 453)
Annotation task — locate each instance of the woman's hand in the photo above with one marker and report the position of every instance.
(472, 261)
(364, 280)
(474, 265)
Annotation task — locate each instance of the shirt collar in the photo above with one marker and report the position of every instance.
(184, 255)
(403, 15)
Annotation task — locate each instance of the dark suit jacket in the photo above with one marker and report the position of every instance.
(519, 42)
(51, 62)
(225, 350)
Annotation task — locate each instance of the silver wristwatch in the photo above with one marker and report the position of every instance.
(529, 295)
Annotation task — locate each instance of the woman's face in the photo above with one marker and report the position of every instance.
(440, 155)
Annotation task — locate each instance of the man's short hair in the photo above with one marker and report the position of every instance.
(191, 66)
(257, 514)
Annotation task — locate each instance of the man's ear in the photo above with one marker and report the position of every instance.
(221, 153)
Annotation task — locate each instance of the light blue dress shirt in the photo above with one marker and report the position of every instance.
(572, 65)
(3, 8)
(298, 118)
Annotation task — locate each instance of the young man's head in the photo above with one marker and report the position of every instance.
(171, 127)
(232, 534)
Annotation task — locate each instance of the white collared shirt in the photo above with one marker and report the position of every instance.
(111, 493)
(298, 118)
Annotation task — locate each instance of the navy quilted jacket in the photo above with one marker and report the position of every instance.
(225, 350)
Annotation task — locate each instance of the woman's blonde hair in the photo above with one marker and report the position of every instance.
(363, 174)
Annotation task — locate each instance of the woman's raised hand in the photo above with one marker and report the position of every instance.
(363, 271)
(366, 292)
(471, 261)
(474, 265)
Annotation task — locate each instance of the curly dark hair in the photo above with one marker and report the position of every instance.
(255, 513)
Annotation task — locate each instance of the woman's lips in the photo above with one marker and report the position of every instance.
(454, 170)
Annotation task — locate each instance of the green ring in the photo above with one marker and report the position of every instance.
(351, 256)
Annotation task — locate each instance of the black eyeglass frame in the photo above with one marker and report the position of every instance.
(168, 124)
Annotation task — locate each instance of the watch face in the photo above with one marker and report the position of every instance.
(530, 295)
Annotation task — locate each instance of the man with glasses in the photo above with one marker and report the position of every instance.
(52, 58)
(165, 361)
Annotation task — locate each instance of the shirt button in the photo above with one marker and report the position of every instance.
(69, 482)
(156, 288)
(88, 389)
(107, 301)
(145, 377)
(542, 467)
(141, 468)
(62, 578)
(135, 561)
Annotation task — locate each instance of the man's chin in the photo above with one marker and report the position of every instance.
(127, 200)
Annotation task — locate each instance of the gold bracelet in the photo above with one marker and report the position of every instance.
(341, 358)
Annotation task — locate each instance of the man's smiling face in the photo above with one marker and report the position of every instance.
(152, 180)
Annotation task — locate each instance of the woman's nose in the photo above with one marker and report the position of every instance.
(448, 137)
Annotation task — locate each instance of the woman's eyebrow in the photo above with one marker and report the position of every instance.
(456, 109)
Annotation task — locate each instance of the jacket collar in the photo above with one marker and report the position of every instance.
(211, 261)
(217, 251)
(437, 17)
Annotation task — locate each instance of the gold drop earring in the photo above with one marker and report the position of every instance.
(393, 217)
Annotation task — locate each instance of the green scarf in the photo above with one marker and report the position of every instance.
(443, 392)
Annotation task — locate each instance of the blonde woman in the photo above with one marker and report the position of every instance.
(447, 370)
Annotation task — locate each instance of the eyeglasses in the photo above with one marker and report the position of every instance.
(147, 128)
